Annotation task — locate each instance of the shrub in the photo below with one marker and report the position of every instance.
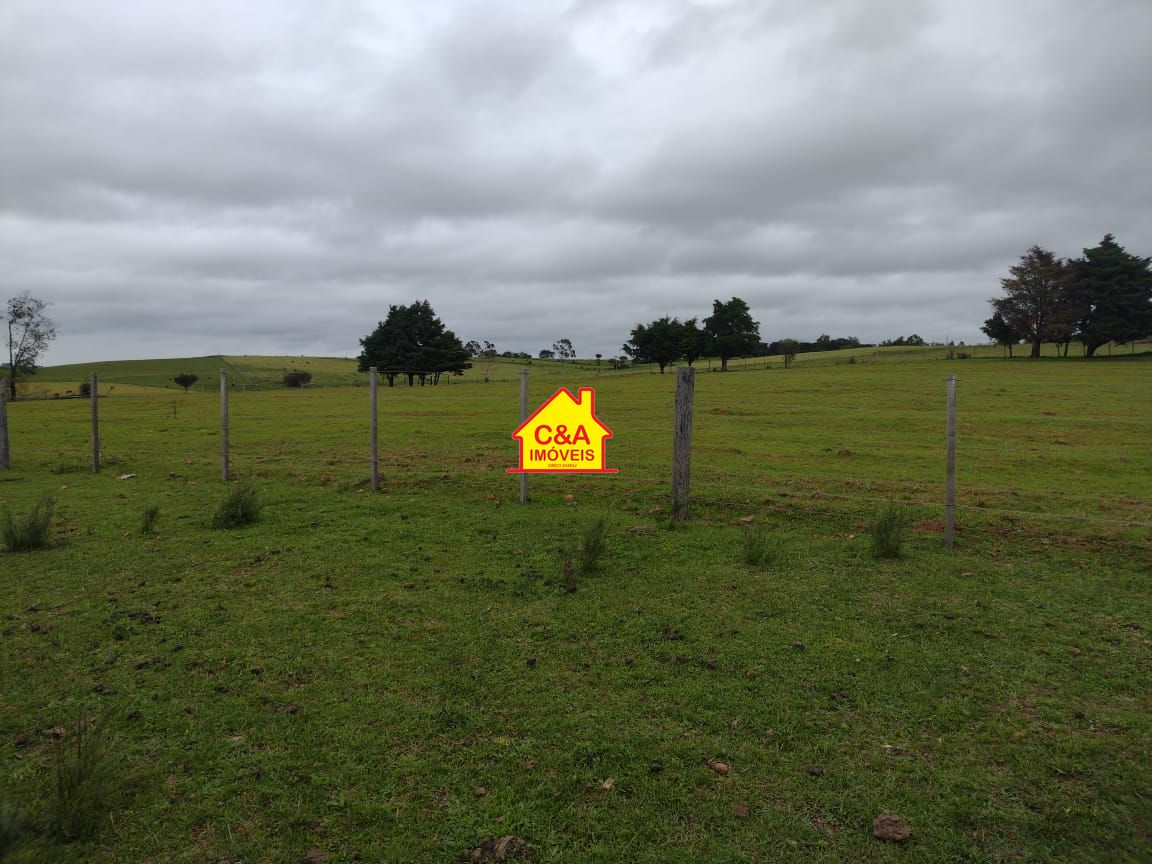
(297, 379)
(761, 548)
(84, 782)
(148, 518)
(85, 388)
(241, 507)
(888, 533)
(30, 532)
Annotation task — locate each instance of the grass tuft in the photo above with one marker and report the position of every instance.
(761, 547)
(241, 507)
(85, 782)
(13, 827)
(23, 534)
(592, 547)
(148, 518)
(888, 533)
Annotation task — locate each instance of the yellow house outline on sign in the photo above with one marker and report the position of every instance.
(563, 435)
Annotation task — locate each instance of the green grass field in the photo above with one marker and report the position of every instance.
(399, 676)
(250, 372)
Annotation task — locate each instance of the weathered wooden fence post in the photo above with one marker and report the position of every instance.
(224, 471)
(373, 429)
(523, 417)
(5, 462)
(682, 442)
(94, 395)
(950, 493)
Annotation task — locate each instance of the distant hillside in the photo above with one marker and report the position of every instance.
(262, 372)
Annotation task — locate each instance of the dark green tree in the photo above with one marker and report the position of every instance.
(1001, 332)
(1033, 297)
(563, 349)
(790, 347)
(1111, 291)
(29, 332)
(297, 379)
(731, 330)
(186, 380)
(693, 341)
(659, 342)
(413, 342)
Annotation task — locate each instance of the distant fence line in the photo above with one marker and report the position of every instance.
(681, 454)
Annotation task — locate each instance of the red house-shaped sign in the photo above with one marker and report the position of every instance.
(564, 435)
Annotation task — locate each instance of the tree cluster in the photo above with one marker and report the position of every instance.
(413, 342)
(912, 341)
(824, 342)
(728, 332)
(1104, 296)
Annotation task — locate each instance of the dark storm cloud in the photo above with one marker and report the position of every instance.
(269, 176)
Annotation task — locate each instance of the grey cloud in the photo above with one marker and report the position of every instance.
(538, 171)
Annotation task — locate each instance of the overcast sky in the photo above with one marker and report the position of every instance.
(189, 178)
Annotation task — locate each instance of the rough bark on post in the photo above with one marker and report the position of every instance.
(94, 387)
(372, 377)
(950, 492)
(225, 473)
(5, 462)
(682, 442)
(523, 417)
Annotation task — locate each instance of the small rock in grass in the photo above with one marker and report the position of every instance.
(720, 768)
(655, 768)
(815, 771)
(891, 828)
(20, 740)
(480, 792)
(740, 811)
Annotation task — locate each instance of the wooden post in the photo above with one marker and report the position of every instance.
(372, 426)
(950, 502)
(224, 472)
(5, 462)
(682, 442)
(523, 417)
(94, 386)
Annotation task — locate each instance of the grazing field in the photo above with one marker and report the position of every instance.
(401, 676)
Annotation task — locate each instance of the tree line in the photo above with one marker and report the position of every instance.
(1104, 296)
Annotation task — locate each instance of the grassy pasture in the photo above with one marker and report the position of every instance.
(267, 372)
(396, 677)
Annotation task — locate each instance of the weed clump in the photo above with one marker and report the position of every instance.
(762, 548)
(586, 560)
(148, 518)
(592, 547)
(12, 829)
(85, 783)
(241, 507)
(23, 534)
(888, 533)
